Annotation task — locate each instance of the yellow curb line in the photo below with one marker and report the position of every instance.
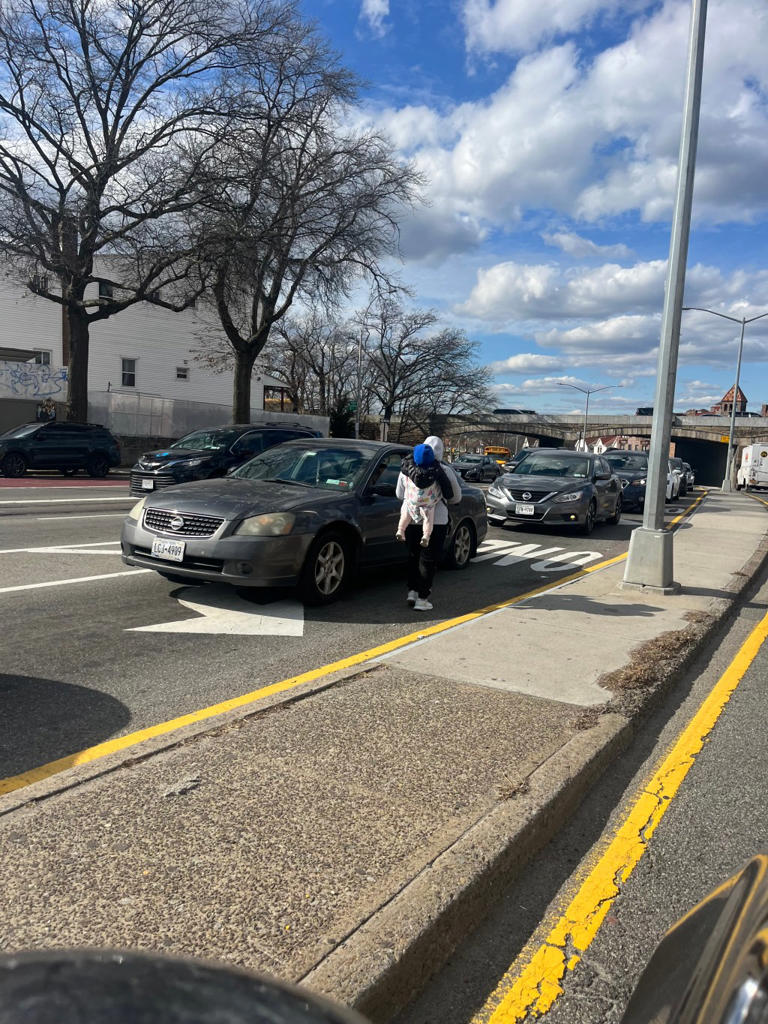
(527, 994)
(45, 771)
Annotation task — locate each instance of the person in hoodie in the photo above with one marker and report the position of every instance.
(422, 559)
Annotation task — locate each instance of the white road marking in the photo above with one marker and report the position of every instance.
(76, 579)
(91, 515)
(63, 549)
(64, 501)
(223, 611)
(504, 552)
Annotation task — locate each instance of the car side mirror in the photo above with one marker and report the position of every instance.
(603, 476)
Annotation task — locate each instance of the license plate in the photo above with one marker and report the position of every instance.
(524, 510)
(173, 550)
(148, 485)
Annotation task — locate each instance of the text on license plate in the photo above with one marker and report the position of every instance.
(148, 485)
(524, 510)
(173, 550)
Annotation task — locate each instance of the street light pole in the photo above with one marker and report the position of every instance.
(650, 558)
(726, 485)
(587, 392)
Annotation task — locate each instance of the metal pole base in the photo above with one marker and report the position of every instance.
(726, 487)
(650, 562)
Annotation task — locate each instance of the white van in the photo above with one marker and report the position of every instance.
(753, 471)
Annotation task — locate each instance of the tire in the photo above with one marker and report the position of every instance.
(327, 569)
(589, 520)
(97, 466)
(615, 519)
(462, 545)
(14, 465)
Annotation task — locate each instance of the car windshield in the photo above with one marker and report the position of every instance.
(552, 465)
(207, 440)
(23, 431)
(331, 469)
(627, 462)
(470, 458)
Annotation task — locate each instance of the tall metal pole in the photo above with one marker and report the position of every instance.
(650, 560)
(586, 417)
(359, 383)
(729, 460)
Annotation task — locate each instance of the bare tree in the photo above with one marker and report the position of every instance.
(416, 375)
(107, 118)
(316, 359)
(305, 203)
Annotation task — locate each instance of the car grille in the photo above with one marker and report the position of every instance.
(159, 520)
(517, 495)
(160, 480)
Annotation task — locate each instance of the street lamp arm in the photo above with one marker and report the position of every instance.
(752, 319)
(736, 320)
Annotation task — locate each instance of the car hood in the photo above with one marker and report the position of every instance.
(630, 474)
(166, 456)
(233, 498)
(551, 484)
(465, 465)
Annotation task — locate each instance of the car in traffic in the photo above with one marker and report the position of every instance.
(510, 464)
(690, 476)
(632, 470)
(309, 513)
(557, 487)
(678, 469)
(207, 453)
(476, 468)
(67, 447)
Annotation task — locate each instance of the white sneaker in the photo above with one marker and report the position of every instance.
(422, 605)
(412, 597)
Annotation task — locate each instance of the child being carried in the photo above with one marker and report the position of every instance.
(426, 483)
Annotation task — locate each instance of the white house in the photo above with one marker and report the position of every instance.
(140, 359)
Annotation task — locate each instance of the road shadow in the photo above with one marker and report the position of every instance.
(43, 720)
(577, 603)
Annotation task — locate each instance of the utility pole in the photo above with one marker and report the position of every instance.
(726, 485)
(587, 392)
(650, 560)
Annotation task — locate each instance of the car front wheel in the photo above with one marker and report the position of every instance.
(326, 570)
(462, 544)
(615, 519)
(589, 519)
(14, 465)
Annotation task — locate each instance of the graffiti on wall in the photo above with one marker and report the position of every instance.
(30, 380)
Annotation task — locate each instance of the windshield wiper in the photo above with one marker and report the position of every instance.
(282, 480)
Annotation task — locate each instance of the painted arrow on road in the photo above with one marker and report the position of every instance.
(221, 610)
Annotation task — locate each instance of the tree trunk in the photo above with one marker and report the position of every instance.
(77, 366)
(241, 395)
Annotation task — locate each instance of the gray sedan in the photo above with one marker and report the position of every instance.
(476, 467)
(558, 487)
(306, 513)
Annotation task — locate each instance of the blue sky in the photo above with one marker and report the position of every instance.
(548, 132)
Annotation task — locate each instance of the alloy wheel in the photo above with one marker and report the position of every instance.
(462, 546)
(329, 568)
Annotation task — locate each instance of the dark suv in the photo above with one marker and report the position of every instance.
(63, 446)
(209, 453)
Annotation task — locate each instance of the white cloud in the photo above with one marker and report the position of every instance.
(581, 248)
(527, 362)
(374, 12)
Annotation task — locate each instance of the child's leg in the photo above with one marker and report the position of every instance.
(405, 519)
(427, 522)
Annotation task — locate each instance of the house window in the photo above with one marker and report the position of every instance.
(182, 373)
(39, 282)
(129, 373)
(42, 358)
(106, 291)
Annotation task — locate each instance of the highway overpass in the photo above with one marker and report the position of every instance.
(700, 440)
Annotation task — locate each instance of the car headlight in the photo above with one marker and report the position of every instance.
(137, 509)
(642, 482)
(273, 524)
(495, 491)
(570, 496)
(191, 463)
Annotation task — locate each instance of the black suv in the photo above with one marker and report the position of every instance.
(208, 453)
(63, 446)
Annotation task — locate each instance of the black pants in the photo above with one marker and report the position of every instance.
(422, 562)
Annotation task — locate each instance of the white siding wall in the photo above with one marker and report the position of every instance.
(156, 338)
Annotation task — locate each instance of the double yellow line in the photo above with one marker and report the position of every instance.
(120, 743)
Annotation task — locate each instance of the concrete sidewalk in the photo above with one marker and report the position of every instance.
(348, 834)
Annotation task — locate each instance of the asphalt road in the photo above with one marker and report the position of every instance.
(93, 649)
(714, 824)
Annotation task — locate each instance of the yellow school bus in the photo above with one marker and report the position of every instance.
(497, 452)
